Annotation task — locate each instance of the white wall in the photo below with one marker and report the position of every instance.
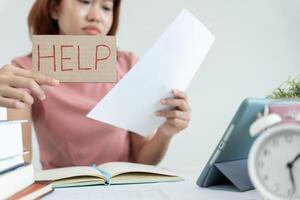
(14, 34)
(256, 49)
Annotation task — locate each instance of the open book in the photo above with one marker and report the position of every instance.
(106, 174)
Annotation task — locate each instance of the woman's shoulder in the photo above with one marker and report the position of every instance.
(24, 62)
(126, 59)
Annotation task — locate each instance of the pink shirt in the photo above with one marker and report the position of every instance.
(65, 135)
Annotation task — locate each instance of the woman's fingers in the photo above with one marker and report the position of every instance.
(180, 103)
(18, 94)
(14, 80)
(11, 103)
(39, 78)
(178, 117)
(174, 114)
(182, 108)
(21, 82)
(21, 78)
(179, 94)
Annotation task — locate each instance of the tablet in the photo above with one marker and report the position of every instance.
(235, 143)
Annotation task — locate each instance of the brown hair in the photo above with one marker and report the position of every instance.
(40, 21)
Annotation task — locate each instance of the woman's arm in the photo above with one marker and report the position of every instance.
(149, 150)
(152, 149)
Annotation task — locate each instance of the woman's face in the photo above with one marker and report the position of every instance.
(84, 17)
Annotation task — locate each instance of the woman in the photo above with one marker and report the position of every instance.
(65, 135)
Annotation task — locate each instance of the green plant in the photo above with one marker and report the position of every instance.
(289, 89)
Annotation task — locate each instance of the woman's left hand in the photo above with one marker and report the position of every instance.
(178, 118)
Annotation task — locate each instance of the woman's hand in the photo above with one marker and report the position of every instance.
(18, 85)
(178, 118)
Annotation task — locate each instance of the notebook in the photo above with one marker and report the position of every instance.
(111, 173)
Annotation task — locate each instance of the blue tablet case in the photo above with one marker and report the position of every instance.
(228, 163)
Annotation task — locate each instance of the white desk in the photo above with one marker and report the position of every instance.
(186, 190)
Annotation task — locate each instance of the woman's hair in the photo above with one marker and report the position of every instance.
(40, 21)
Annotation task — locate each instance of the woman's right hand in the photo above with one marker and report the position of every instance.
(13, 81)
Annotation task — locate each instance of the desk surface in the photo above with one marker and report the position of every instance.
(187, 190)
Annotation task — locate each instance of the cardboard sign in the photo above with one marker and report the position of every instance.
(75, 58)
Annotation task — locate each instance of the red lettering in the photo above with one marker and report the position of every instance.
(64, 58)
(40, 57)
(103, 52)
(78, 61)
(104, 58)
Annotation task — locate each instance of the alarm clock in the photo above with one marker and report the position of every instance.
(274, 158)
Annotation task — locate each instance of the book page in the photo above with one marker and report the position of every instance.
(66, 172)
(78, 181)
(116, 168)
(141, 177)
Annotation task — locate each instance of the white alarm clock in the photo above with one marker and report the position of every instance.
(274, 159)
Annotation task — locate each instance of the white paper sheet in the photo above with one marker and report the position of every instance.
(170, 63)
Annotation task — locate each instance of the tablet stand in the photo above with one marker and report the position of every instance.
(232, 172)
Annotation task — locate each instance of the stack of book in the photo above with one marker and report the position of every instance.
(16, 176)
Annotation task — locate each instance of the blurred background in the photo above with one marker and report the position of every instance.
(256, 50)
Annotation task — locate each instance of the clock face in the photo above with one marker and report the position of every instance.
(276, 162)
